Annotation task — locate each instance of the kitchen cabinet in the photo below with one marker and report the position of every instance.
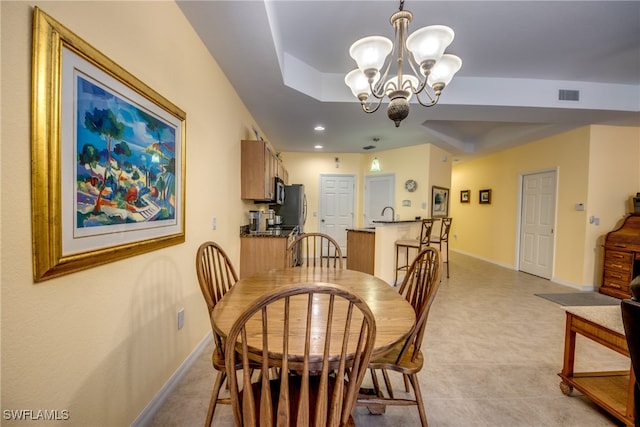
(282, 172)
(262, 253)
(361, 250)
(621, 258)
(259, 167)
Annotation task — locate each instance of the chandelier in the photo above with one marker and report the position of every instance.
(424, 50)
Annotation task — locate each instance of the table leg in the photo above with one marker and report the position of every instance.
(569, 355)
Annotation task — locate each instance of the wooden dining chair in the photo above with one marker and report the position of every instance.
(314, 250)
(443, 239)
(216, 276)
(413, 244)
(419, 288)
(318, 386)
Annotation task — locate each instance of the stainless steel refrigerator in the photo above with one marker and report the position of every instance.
(294, 209)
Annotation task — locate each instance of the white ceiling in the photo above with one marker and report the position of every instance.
(287, 60)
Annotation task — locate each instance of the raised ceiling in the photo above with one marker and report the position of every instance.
(287, 60)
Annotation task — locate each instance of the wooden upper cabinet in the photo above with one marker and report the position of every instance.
(255, 170)
(258, 170)
(282, 172)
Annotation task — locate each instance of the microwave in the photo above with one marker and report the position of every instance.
(279, 192)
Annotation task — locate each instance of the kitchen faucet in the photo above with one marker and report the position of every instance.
(393, 212)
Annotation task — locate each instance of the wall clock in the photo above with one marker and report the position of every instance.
(411, 185)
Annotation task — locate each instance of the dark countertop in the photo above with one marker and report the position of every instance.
(274, 232)
(397, 222)
(362, 230)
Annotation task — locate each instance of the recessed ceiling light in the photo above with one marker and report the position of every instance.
(319, 128)
(318, 147)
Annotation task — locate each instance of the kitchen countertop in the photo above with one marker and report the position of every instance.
(274, 232)
(397, 222)
(363, 230)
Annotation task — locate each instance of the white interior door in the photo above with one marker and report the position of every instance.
(337, 206)
(379, 192)
(537, 223)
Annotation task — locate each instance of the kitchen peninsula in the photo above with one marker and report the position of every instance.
(372, 249)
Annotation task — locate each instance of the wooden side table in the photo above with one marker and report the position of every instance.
(612, 390)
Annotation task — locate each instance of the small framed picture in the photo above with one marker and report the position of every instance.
(439, 202)
(465, 196)
(485, 197)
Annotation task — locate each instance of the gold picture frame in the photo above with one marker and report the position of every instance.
(98, 193)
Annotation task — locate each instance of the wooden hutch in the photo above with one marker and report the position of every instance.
(621, 258)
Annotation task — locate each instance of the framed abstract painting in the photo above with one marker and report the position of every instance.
(108, 158)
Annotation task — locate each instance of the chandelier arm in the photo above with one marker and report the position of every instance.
(379, 90)
(367, 109)
(422, 83)
(432, 100)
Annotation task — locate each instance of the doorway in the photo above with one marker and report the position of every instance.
(379, 192)
(337, 207)
(537, 222)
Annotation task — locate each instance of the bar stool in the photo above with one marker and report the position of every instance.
(418, 244)
(444, 238)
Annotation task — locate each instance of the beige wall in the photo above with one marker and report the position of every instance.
(614, 174)
(306, 168)
(596, 165)
(102, 342)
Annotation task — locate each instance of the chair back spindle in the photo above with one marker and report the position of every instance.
(314, 250)
(313, 388)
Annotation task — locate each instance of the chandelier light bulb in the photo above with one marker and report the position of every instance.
(358, 83)
(429, 43)
(444, 70)
(370, 53)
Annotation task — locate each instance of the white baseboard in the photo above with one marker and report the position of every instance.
(511, 267)
(149, 411)
(492, 261)
(575, 285)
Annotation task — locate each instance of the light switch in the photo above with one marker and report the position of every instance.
(181, 318)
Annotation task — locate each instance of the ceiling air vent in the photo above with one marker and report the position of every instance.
(568, 95)
(369, 147)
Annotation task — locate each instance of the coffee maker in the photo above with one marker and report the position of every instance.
(255, 221)
(271, 219)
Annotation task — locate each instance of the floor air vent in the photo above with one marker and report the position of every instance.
(568, 95)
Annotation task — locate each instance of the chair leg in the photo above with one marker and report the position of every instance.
(374, 378)
(418, 395)
(214, 397)
(387, 383)
(406, 382)
(395, 279)
(447, 243)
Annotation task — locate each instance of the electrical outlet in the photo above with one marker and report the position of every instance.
(180, 318)
(214, 223)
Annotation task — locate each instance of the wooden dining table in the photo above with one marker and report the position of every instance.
(394, 316)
